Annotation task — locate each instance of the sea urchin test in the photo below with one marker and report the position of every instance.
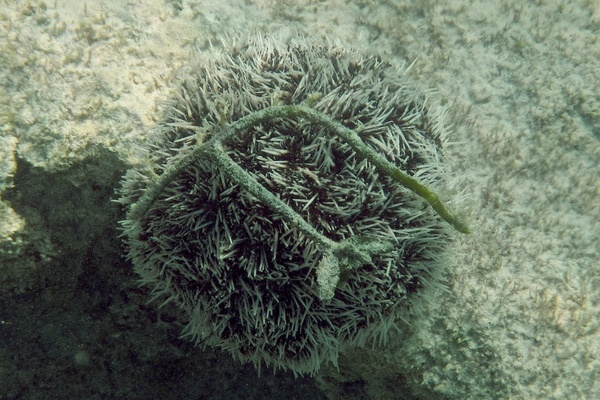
(285, 203)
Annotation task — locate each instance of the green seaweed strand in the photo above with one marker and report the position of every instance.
(296, 112)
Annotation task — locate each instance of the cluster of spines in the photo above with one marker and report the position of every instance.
(272, 75)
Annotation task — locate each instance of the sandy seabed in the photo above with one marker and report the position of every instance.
(81, 85)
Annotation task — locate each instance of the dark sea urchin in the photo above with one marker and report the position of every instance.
(281, 206)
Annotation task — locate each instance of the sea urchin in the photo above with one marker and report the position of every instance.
(281, 206)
